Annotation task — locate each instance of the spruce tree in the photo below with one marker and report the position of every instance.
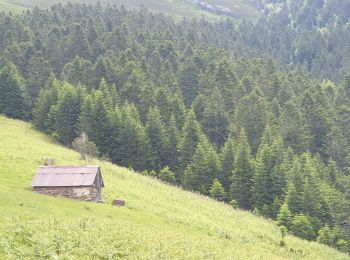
(217, 191)
(67, 113)
(101, 127)
(243, 171)
(284, 217)
(157, 136)
(302, 227)
(252, 114)
(171, 153)
(187, 146)
(227, 161)
(134, 147)
(203, 168)
(269, 177)
(115, 120)
(46, 99)
(215, 122)
(14, 98)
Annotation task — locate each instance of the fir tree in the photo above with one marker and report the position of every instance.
(217, 191)
(243, 171)
(284, 217)
(227, 162)
(171, 153)
(67, 113)
(157, 136)
(14, 99)
(302, 227)
(187, 146)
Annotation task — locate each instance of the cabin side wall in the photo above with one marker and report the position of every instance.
(83, 193)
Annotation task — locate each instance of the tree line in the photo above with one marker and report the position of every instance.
(171, 100)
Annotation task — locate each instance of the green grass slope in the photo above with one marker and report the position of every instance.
(10, 7)
(158, 221)
(176, 8)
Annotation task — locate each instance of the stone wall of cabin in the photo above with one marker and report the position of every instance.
(82, 193)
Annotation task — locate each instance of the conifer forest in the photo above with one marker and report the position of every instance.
(251, 112)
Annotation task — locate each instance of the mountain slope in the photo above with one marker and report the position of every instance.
(158, 220)
(176, 8)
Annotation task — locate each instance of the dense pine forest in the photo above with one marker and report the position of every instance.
(243, 112)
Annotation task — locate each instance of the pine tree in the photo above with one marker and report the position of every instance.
(14, 98)
(203, 168)
(171, 153)
(167, 175)
(325, 236)
(284, 217)
(217, 191)
(187, 146)
(47, 98)
(101, 127)
(87, 116)
(252, 114)
(134, 147)
(293, 199)
(302, 227)
(67, 113)
(269, 177)
(294, 128)
(227, 161)
(115, 120)
(215, 122)
(157, 136)
(243, 171)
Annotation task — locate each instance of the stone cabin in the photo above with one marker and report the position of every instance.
(84, 183)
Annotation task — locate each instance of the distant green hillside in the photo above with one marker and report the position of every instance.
(177, 8)
(158, 221)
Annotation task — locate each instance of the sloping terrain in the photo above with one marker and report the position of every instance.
(158, 221)
(176, 8)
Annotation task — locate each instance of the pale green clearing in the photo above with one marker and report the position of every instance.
(176, 8)
(159, 221)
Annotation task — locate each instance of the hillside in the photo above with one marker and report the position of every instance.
(158, 221)
(176, 8)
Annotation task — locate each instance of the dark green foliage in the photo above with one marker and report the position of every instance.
(14, 99)
(164, 97)
(252, 114)
(134, 147)
(190, 137)
(227, 161)
(302, 227)
(243, 171)
(67, 113)
(171, 153)
(269, 177)
(203, 169)
(284, 217)
(157, 136)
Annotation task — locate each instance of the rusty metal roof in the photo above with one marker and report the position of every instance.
(66, 176)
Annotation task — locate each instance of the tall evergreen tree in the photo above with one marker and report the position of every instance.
(243, 171)
(171, 153)
(203, 168)
(227, 162)
(191, 133)
(157, 136)
(67, 113)
(14, 98)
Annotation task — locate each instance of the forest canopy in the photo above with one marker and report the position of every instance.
(193, 104)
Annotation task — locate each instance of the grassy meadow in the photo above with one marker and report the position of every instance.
(158, 221)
